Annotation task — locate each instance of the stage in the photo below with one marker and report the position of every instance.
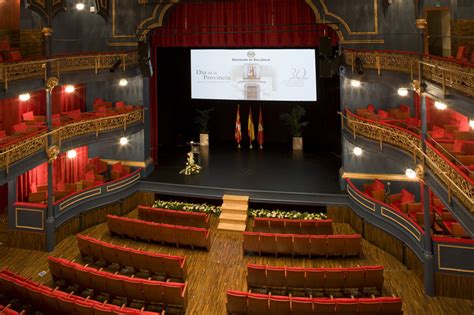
(267, 176)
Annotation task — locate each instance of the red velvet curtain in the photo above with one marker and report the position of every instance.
(12, 109)
(64, 102)
(245, 23)
(65, 170)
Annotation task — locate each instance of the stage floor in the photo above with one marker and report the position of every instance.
(269, 170)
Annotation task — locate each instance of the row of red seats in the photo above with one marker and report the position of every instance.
(174, 217)
(56, 301)
(8, 311)
(160, 232)
(254, 303)
(318, 227)
(167, 293)
(168, 265)
(302, 245)
(294, 278)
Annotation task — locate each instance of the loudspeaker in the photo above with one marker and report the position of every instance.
(325, 48)
(144, 59)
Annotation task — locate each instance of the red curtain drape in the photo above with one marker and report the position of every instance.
(65, 170)
(12, 109)
(64, 102)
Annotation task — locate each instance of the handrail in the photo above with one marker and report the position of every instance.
(444, 71)
(456, 181)
(23, 149)
(29, 69)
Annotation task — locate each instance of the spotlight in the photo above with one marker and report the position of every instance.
(123, 82)
(24, 97)
(80, 6)
(123, 141)
(355, 83)
(440, 106)
(71, 154)
(411, 174)
(471, 123)
(357, 151)
(403, 92)
(69, 88)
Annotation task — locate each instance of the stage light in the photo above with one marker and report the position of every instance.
(123, 82)
(403, 92)
(71, 154)
(24, 97)
(440, 106)
(355, 83)
(411, 174)
(123, 141)
(80, 6)
(69, 88)
(357, 151)
(471, 123)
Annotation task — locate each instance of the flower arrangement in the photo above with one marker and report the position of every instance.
(185, 206)
(281, 214)
(191, 167)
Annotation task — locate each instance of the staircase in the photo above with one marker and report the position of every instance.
(233, 213)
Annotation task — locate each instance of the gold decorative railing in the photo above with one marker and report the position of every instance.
(457, 183)
(24, 148)
(446, 72)
(30, 69)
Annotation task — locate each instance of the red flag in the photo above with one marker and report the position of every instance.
(238, 127)
(250, 128)
(260, 129)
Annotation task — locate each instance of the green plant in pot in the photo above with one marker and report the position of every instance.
(294, 122)
(202, 121)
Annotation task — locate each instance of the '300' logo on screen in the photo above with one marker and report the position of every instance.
(298, 73)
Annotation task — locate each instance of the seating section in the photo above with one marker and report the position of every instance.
(271, 225)
(160, 232)
(166, 293)
(53, 301)
(302, 245)
(161, 264)
(254, 303)
(8, 311)
(352, 281)
(174, 217)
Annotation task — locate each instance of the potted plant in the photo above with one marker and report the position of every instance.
(202, 120)
(294, 123)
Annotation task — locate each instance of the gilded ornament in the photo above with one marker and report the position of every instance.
(53, 152)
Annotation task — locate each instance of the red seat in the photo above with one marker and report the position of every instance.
(174, 294)
(276, 278)
(251, 242)
(153, 292)
(168, 234)
(83, 244)
(83, 277)
(139, 259)
(318, 245)
(173, 267)
(284, 244)
(335, 278)
(295, 278)
(257, 303)
(110, 252)
(352, 245)
(315, 279)
(370, 306)
(354, 279)
(293, 226)
(66, 305)
(346, 306)
(308, 227)
(84, 308)
(261, 225)
(335, 245)
(301, 306)
(236, 302)
(256, 276)
(155, 263)
(133, 288)
(268, 243)
(96, 250)
(183, 236)
(113, 225)
(280, 305)
(324, 306)
(124, 258)
(277, 226)
(200, 237)
(374, 277)
(324, 227)
(392, 305)
(115, 284)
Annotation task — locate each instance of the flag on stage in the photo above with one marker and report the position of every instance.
(260, 128)
(238, 127)
(251, 128)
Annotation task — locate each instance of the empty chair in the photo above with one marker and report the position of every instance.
(110, 253)
(352, 245)
(184, 218)
(324, 306)
(301, 245)
(83, 244)
(115, 285)
(139, 259)
(50, 302)
(370, 306)
(346, 306)
(154, 232)
(236, 302)
(391, 305)
(276, 279)
(267, 243)
(315, 279)
(261, 225)
(83, 277)
(66, 305)
(55, 269)
(172, 267)
(168, 233)
(293, 226)
(155, 264)
(256, 276)
(133, 288)
(124, 258)
(284, 244)
(301, 306)
(319, 246)
(113, 225)
(100, 282)
(334, 279)
(354, 280)
(83, 307)
(144, 213)
(324, 227)
(183, 236)
(257, 303)
(173, 294)
(277, 225)
(67, 270)
(200, 237)
(251, 242)
(153, 292)
(137, 228)
(295, 279)
(335, 245)
(373, 278)
(96, 250)
(280, 305)
(308, 227)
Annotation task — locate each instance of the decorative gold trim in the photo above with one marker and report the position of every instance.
(123, 183)
(452, 269)
(357, 196)
(73, 199)
(382, 212)
(124, 44)
(114, 32)
(318, 19)
(363, 41)
(157, 24)
(29, 227)
(392, 177)
(126, 163)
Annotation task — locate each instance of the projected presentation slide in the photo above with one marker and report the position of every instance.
(254, 74)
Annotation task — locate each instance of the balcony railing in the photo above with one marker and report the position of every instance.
(39, 141)
(444, 71)
(457, 183)
(31, 69)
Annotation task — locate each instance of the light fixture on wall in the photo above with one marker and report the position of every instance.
(402, 92)
(357, 151)
(80, 6)
(71, 154)
(411, 174)
(123, 141)
(69, 88)
(440, 105)
(123, 82)
(471, 123)
(24, 97)
(355, 83)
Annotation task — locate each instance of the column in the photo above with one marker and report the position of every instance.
(50, 224)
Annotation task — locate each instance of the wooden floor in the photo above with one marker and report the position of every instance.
(224, 266)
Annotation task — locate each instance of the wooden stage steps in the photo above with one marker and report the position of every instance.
(233, 213)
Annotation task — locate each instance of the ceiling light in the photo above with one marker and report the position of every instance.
(123, 82)
(411, 174)
(440, 106)
(123, 141)
(69, 88)
(80, 6)
(71, 154)
(403, 91)
(357, 151)
(355, 83)
(24, 97)
(471, 123)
